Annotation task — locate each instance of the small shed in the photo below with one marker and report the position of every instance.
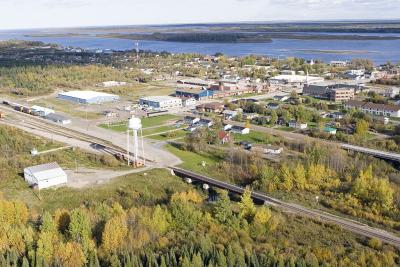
(45, 175)
(41, 111)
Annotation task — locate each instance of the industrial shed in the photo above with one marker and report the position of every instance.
(87, 97)
(45, 175)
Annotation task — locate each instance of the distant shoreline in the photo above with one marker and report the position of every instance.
(221, 37)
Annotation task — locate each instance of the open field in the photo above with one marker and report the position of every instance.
(155, 186)
(146, 123)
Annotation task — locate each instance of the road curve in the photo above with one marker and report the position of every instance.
(348, 224)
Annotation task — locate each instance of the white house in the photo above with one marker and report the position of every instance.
(240, 130)
(227, 127)
(229, 114)
(45, 175)
(191, 120)
(206, 123)
(297, 125)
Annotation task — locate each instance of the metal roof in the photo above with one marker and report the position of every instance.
(46, 171)
(86, 94)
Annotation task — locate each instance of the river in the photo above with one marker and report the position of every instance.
(380, 51)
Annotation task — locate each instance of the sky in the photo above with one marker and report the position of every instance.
(25, 14)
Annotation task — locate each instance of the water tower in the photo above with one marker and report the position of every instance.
(135, 125)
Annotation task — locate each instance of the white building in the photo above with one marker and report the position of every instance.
(374, 109)
(188, 102)
(112, 84)
(41, 111)
(295, 79)
(240, 130)
(58, 119)
(297, 125)
(87, 97)
(45, 175)
(392, 92)
(161, 102)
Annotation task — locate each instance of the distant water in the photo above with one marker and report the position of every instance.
(380, 51)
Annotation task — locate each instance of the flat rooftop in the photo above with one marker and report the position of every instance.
(159, 98)
(86, 94)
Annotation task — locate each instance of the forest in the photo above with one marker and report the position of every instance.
(178, 226)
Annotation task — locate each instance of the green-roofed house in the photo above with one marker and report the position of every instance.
(330, 130)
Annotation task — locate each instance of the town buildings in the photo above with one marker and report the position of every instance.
(161, 102)
(213, 107)
(330, 90)
(294, 79)
(374, 109)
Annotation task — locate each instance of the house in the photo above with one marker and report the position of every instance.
(191, 120)
(58, 118)
(337, 115)
(224, 137)
(281, 98)
(330, 130)
(392, 92)
(297, 125)
(213, 107)
(250, 116)
(229, 114)
(272, 106)
(206, 123)
(227, 127)
(45, 175)
(240, 130)
(188, 102)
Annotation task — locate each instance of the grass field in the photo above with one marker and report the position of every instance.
(155, 187)
(193, 161)
(168, 136)
(146, 123)
(254, 137)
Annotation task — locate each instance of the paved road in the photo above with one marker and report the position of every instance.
(350, 225)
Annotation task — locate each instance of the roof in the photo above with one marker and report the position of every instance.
(39, 108)
(86, 94)
(374, 106)
(212, 105)
(329, 129)
(159, 98)
(57, 117)
(45, 171)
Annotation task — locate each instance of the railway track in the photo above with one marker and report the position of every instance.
(348, 224)
(44, 125)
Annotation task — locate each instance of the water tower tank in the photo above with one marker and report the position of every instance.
(134, 123)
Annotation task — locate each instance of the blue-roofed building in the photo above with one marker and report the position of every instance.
(196, 93)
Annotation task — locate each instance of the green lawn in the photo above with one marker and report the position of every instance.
(155, 187)
(254, 137)
(159, 120)
(168, 136)
(146, 123)
(157, 130)
(193, 161)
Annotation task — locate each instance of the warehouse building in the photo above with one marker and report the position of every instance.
(87, 97)
(161, 102)
(197, 93)
(41, 111)
(45, 175)
(57, 118)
